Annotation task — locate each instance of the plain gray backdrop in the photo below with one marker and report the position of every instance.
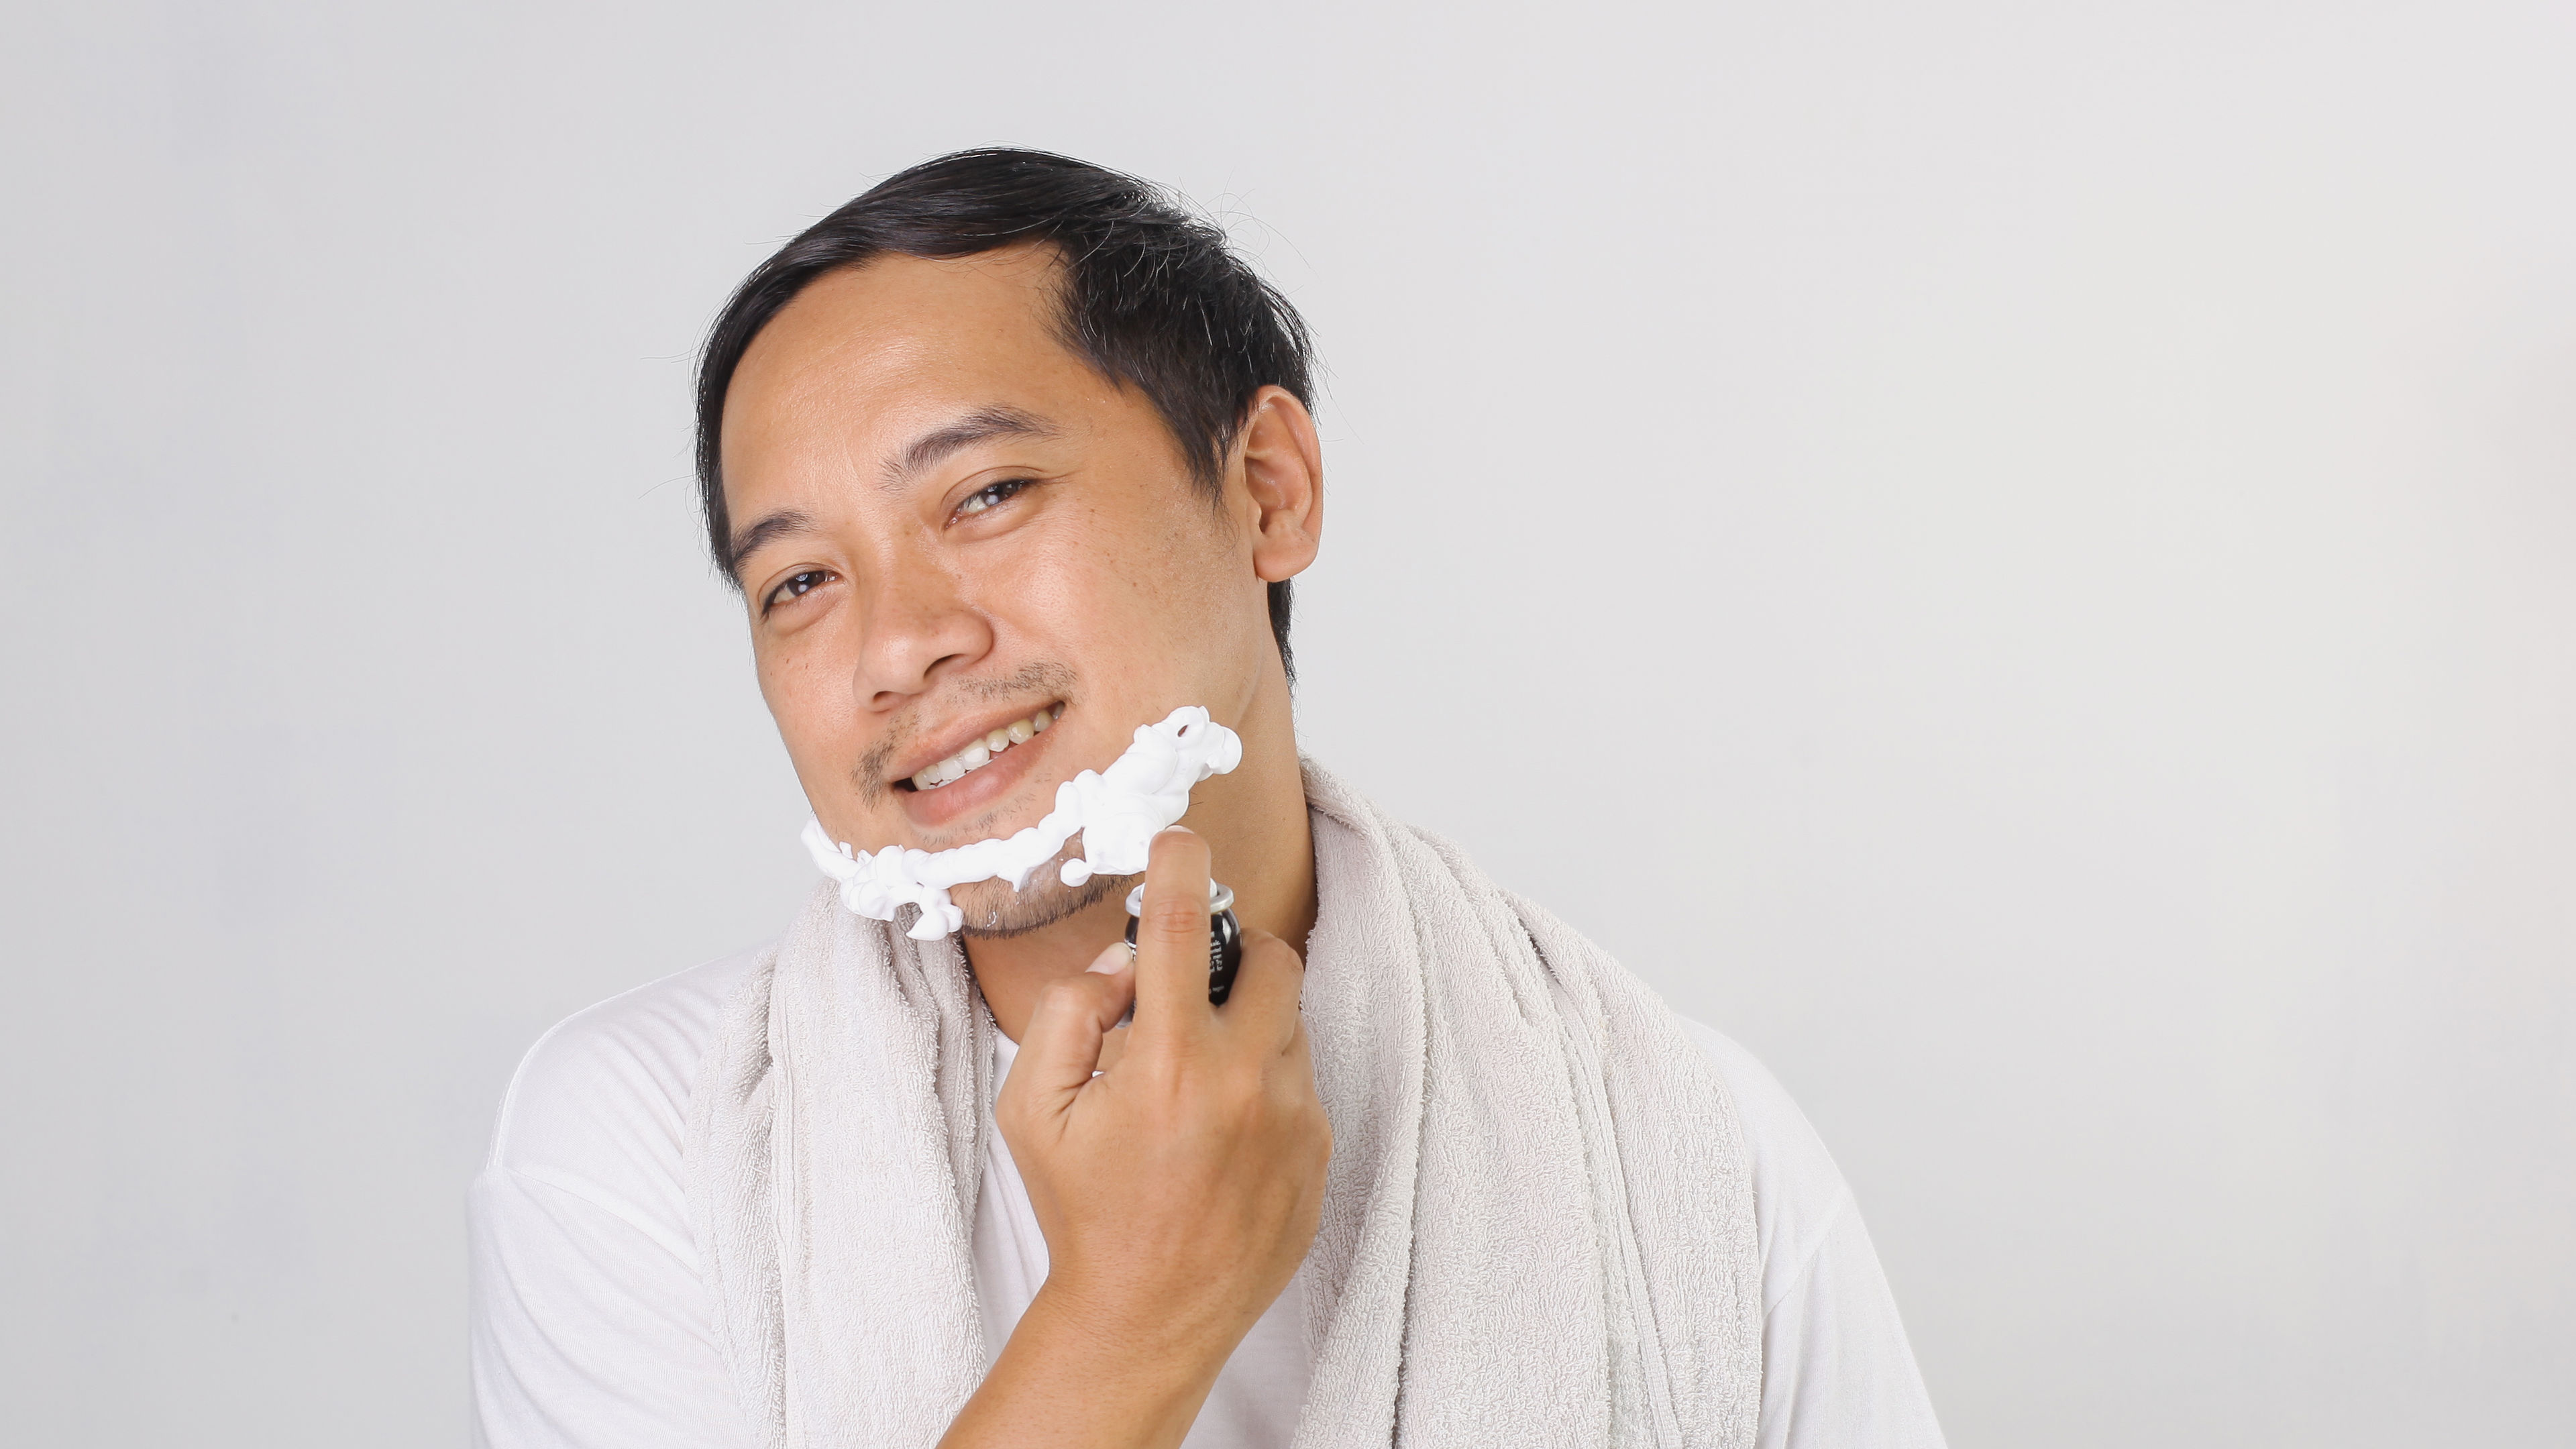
(2015, 558)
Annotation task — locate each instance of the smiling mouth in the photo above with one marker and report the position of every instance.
(984, 751)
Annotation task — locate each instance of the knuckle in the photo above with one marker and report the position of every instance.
(1176, 917)
(1069, 994)
(1010, 1115)
(1312, 1127)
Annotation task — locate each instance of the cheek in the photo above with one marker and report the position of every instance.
(806, 695)
(1171, 557)
(1058, 587)
(1192, 576)
(1155, 607)
(1093, 608)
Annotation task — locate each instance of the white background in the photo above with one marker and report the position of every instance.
(2015, 558)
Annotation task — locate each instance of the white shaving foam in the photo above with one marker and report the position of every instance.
(1117, 811)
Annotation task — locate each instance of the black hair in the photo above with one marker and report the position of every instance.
(1152, 298)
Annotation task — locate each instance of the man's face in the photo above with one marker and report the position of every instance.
(947, 524)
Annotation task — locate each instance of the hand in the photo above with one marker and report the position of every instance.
(1178, 1189)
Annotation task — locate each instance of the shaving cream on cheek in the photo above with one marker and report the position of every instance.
(1117, 812)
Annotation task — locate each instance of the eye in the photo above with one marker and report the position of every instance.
(794, 587)
(990, 495)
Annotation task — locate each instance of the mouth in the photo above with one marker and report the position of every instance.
(981, 750)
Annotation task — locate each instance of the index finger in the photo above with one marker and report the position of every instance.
(1172, 942)
(1062, 1044)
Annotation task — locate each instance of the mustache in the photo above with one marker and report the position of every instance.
(1036, 683)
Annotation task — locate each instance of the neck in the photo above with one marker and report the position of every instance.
(1254, 821)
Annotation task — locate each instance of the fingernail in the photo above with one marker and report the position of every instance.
(1113, 960)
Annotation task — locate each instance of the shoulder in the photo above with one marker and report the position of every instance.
(589, 1318)
(600, 1103)
(1799, 1195)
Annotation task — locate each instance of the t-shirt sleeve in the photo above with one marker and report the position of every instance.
(587, 1333)
(1837, 1372)
(1836, 1369)
(590, 1324)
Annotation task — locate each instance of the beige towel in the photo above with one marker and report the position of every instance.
(1537, 1227)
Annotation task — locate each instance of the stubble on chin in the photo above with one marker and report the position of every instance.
(995, 911)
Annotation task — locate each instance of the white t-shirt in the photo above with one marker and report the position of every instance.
(591, 1328)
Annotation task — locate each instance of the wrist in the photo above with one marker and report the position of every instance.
(1164, 1335)
(1094, 1371)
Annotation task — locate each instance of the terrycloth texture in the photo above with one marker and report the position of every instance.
(1538, 1222)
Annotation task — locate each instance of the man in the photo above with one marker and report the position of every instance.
(1010, 458)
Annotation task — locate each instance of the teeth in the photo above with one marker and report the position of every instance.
(979, 754)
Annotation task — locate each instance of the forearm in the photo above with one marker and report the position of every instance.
(1178, 1184)
(1074, 1377)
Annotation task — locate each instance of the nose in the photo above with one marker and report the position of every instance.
(917, 623)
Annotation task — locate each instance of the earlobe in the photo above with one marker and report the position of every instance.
(1283, 472)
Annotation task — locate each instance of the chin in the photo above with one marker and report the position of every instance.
(993, 909)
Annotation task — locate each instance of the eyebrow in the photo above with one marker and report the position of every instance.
(981, 425)
(785, 523)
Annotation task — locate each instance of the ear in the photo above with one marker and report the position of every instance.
(1283, 472)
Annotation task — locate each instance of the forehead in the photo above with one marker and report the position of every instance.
(865, 358)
